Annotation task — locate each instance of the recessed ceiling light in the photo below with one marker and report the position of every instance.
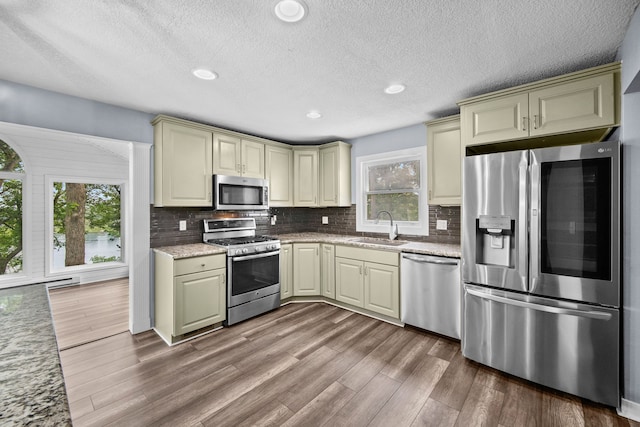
(314, 114)
(204, 74)
(395, 88)
(290, 10)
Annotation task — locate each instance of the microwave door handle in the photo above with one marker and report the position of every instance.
(534, 224)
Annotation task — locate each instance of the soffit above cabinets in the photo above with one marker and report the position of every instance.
(337, 61)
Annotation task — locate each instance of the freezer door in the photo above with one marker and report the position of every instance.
(575, 223)
(567, 346)
(494, 225)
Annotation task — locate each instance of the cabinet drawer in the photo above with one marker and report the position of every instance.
(370, 255)
(197, 264)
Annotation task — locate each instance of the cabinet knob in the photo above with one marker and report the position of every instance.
(203, 265)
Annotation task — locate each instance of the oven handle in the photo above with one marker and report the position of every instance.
(255, 256)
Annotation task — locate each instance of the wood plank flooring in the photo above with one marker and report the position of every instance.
(307, 364)
(86, 313)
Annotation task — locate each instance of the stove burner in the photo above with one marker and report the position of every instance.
(245, 240)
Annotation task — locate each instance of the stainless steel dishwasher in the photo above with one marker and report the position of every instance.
(430, 293)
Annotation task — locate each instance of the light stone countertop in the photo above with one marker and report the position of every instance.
(191, 250)
(437, 249)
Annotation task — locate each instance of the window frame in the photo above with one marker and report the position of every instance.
(416, 228)
(50, 271)
(26, 209)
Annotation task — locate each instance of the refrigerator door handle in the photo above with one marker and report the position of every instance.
(522, 231)
(592, 314)
(534, 224)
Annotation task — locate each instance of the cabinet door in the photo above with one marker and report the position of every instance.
(349, 281)
(568, 107)
(186, 167)
(328, 271)
(329, 164)
(382, 289)
(306, 269)
(199, 300)
(252, 159)
(496, 120)
(305, 169)
(279, 172)
(444, 159)
(227, 159)
(286, 271)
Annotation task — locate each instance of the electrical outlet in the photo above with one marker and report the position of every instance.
(441, 224)
(325, 220)
(182, 225)
(273, 220)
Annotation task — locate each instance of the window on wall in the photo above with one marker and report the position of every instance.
(394, 182)
(86, 224)
(11, 213)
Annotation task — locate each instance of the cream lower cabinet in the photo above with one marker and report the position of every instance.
(306, 269)
(182, 164)
(279, 170)
(190, 294)
(574, 102)
(444, 161)
(368, 279)
(328, 270)
(286, 271)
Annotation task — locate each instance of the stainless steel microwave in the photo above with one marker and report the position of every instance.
(240, 193)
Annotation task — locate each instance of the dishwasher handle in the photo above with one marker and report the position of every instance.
(430, 260)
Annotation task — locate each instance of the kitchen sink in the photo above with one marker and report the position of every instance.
(376, 241)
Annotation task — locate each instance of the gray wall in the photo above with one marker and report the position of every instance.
(630, 55)
(31, 106)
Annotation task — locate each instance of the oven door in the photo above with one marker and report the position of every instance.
(253, 276)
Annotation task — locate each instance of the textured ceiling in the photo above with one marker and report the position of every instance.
(338, 60)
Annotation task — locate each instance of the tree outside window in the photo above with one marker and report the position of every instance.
(11, 177)
(86, 220)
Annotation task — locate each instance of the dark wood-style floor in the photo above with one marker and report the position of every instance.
(306, 364)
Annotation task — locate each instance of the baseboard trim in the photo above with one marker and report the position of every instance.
(629, 409)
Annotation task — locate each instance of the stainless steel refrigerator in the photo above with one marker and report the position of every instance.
(541, 266)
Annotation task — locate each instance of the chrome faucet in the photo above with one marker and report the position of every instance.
(393, 233)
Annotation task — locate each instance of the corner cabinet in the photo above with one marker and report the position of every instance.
(182, 164)
(368, 279)
(444, 161)
(328, 270)
(279, 172)
(190, 294)
(306, 269)
(305, 175)
(286, 271)
(581, 101)
(237, 156)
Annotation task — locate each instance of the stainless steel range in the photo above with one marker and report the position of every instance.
(253, 266)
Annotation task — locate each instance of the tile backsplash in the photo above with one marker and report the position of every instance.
(164, 223)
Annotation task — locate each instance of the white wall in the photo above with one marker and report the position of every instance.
(630, 55)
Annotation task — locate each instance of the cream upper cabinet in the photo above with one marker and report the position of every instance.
(444, 160)
(182, 165)
(236, 156)
(335, 174)
(306, 269)
(286, 271)
(305, 175)
(327, 271)
(279, 172)
(580, 101)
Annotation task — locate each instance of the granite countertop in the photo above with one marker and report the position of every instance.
(32, 391)
(192, 250)
(438, 249)
(425, 248)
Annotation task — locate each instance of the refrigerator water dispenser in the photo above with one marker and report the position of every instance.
(494, 240)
